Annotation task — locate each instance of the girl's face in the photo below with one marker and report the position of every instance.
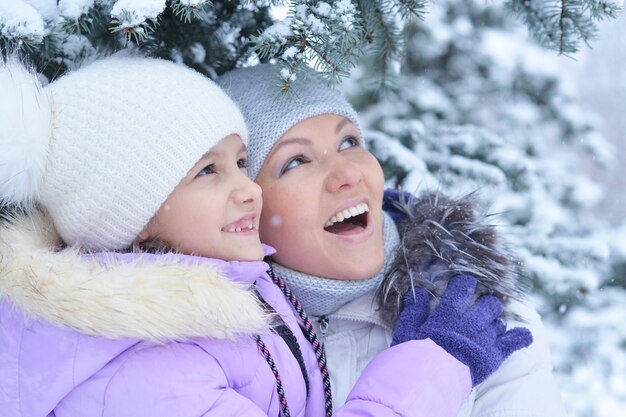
(214, 211)
(323, 197)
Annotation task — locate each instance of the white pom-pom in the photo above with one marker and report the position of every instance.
(25, 129)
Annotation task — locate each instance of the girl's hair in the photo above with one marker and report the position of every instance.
(153, 246)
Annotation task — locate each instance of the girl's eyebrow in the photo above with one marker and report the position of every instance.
(210, 153)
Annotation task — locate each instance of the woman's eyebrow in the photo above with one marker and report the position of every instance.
(300, 141)
(341, 125)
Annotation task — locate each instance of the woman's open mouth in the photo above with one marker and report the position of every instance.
(349, 221)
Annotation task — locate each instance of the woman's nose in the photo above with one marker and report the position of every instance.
(343, 174)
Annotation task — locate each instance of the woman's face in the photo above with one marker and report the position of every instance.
(322, 198)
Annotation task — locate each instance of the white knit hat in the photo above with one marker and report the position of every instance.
(256, 90)
(103, 147)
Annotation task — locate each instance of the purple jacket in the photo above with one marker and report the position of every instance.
(145, 335)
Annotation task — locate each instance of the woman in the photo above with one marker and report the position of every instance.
(322, 211)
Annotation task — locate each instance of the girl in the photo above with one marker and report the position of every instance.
(134, 285)
(347, 260)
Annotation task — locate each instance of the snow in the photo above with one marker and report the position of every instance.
(198, 52)
(192, 3)
(290, 52)
(278, 32)
(47, 9)
(19, 19)
(323, 9)
(511, 51)
(279, 12)
(133, 13)
(73, 9)
(287, 76)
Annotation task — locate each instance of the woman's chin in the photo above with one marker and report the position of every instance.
(338, 269)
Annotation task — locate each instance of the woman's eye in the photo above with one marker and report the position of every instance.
(242, 163)
(209, 169)
(349, 142)
(293, 162)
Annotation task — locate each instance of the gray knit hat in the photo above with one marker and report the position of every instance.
(256, 90)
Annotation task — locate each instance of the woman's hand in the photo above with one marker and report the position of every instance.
(393, 202)
(474, 334)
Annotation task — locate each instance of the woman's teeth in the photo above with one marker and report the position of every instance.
(347, 213)
(239, 229)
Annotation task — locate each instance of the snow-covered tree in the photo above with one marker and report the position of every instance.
(215, 36)
(481, 107)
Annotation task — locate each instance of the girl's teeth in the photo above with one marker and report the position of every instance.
(239, 229)
(340, 216)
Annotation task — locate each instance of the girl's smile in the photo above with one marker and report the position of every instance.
(243, 226)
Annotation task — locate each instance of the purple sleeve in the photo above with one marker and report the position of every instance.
(416, 378)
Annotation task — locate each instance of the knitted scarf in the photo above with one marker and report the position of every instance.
(322, 296)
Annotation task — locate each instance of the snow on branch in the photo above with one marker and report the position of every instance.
(20, 24)
(563, 25)
(331, 36)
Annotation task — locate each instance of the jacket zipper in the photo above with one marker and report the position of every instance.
(323, 322)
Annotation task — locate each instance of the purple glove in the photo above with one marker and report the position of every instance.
(473, 334)
(393, 200)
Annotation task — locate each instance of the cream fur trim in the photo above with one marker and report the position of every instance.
(154, 301)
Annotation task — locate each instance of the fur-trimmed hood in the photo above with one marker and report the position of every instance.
(441, 238)
(154, 300)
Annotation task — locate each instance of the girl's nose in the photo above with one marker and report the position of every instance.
(246, 191)
(343, 175)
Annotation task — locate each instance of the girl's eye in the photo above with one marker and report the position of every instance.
(294, 162)
(242, 163)
(209, 169)
(349, 142)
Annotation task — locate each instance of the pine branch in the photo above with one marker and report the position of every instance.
(329, 36)
(386, 43)
(411, 9)
(562, 25)
(188, 10)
